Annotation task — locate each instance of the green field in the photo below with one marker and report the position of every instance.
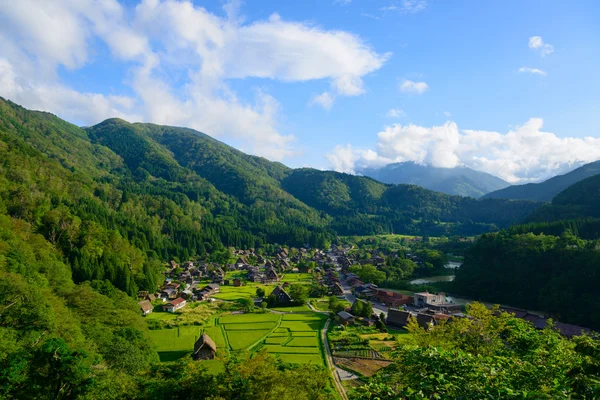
(300, 358)
(216, 334)
(293, 337)
(291, 350)
(303, 342)
(161, 316)
(244, 327)
(297, 278)
(248, 318)
(239, 340)
(303, 308)
(232, 293)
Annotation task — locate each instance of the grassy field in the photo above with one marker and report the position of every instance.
(294, 278)
(303, 308)
(161, 316)
(293, 336)
(232, 293)
(297, 339)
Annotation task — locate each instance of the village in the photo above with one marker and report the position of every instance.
(252, 304)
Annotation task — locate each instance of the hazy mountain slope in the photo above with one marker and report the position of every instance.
(459, 181)
(545, 191)
(581, 200)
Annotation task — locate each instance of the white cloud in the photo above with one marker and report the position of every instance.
(406, 6)
(447, 114)
(343, 158)
(395, 113)
(161, 38)
(537, 43)
(342, 2)
(523, 154)
(534, 71)
(324, 100)
(409, 86)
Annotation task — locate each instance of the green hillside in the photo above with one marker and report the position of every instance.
(582, 200)
(360, 204)
(545, 191)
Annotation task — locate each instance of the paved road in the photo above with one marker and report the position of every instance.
(378, 308)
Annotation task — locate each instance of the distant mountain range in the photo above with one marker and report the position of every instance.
(460, 181)
(547, 190)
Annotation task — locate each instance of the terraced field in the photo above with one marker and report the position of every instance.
(292, 337)
(297, 339)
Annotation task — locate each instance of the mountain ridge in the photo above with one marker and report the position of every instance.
(547, 190)
(461, 181)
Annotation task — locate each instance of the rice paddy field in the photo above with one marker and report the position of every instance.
(293, 337)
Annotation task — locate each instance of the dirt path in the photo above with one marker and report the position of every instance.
(336, 379)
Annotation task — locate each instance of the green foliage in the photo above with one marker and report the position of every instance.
(298, 293)
(536, 272)
(364, 206)
(368, 273)
(256, 378)
(362, 309)
(487, 356)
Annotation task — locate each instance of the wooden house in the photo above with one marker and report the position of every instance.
(204, 348)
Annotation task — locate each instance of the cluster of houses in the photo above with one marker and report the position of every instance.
(268, 276)
(174, 298)
(429, 309)
(540, 322)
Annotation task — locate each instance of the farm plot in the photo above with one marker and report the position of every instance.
(303, 342)
(232, 293)
(244, 330)
(239, 340)
(296, 340)
(173, 344)
(297, 278)
(216, 334)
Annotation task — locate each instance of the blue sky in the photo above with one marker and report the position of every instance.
(509, 87)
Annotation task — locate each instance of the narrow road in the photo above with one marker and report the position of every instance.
(336, 379)
(377, 307)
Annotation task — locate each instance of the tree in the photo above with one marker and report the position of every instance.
(58, 372)
(272, 300)
(260, 292)
(357, 308)
(488, 355)
(247, 303)
(298, 293)
(335, 305)
(368, 273)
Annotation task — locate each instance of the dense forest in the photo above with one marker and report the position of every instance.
(362, 206)
(579, 200)
(557, 275)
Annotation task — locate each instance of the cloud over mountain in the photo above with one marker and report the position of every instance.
(523, 154)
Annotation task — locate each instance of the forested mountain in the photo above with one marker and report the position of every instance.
(553, 274)
(545, 191)
(582, 200)
(361, 204)
(460, 181)
(117, 199)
